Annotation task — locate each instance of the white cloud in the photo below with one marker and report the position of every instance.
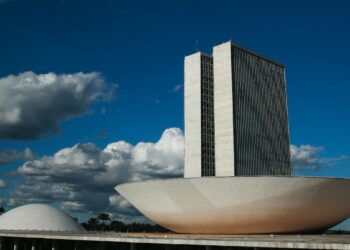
(9, 155)
(83, 177)
(33, 104)
(123, 205)
(307, 156)
(71, 206)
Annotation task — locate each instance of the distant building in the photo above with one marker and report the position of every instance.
(236, 120)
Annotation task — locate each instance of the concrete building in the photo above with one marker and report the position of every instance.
(199, 115)
(34, 240)
(236, 121)
(237, 141)
(242, 204)
(38, 217)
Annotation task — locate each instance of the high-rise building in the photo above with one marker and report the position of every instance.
(199, 114)
(236, 125)
(236, 120)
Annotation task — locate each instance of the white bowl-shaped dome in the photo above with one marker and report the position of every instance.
(242, 205)
(38, 217)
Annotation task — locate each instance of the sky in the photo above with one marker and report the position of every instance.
(91, 92)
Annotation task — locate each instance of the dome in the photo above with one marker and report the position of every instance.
(242, 204)
(38, 217)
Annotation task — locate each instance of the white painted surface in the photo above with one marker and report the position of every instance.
(38, 217)
(242, 205)
(223, 110)
(193, 115)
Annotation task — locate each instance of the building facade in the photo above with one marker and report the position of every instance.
(236, 121)
(199, 114)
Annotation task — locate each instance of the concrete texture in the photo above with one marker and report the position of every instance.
(38, 217)
(223, 111)
(192, 88)
(242, 205)
(134, 239)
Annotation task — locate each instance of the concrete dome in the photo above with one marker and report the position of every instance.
(242, 205)
(38, 217)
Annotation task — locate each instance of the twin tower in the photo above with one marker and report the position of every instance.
(236, 119)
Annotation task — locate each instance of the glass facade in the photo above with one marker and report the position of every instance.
(261, 133)
(207, 117)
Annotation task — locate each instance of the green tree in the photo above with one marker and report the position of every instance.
(116, 226)
(103, 216)
(93, 224)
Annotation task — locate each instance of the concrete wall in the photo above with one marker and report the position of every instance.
(193, 115)
(223, 110)
(147, 241)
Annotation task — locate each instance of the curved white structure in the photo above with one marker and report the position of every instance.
(38, 217)
(242, 205)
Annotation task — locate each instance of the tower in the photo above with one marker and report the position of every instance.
(199, 115)
(236, 120)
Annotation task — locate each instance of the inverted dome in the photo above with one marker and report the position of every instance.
(242, 205)
(38, 217)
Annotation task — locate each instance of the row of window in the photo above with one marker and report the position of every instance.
(262, 143)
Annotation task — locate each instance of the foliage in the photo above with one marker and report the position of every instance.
(95, 224)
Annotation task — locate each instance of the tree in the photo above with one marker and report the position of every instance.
(103, 216)
(116, 226)
(2, 210)
(93, 224)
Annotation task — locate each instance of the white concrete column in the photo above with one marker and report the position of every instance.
(192, 98)
(54, 245)
(76, 245)
(223, 110)
(132, 246)
(15, 245)
(33, 244)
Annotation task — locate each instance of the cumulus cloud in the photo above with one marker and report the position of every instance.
(9, 155)
(307, 156)
(33, 104)
(82, 178)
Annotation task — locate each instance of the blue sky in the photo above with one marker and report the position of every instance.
(138, 49)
